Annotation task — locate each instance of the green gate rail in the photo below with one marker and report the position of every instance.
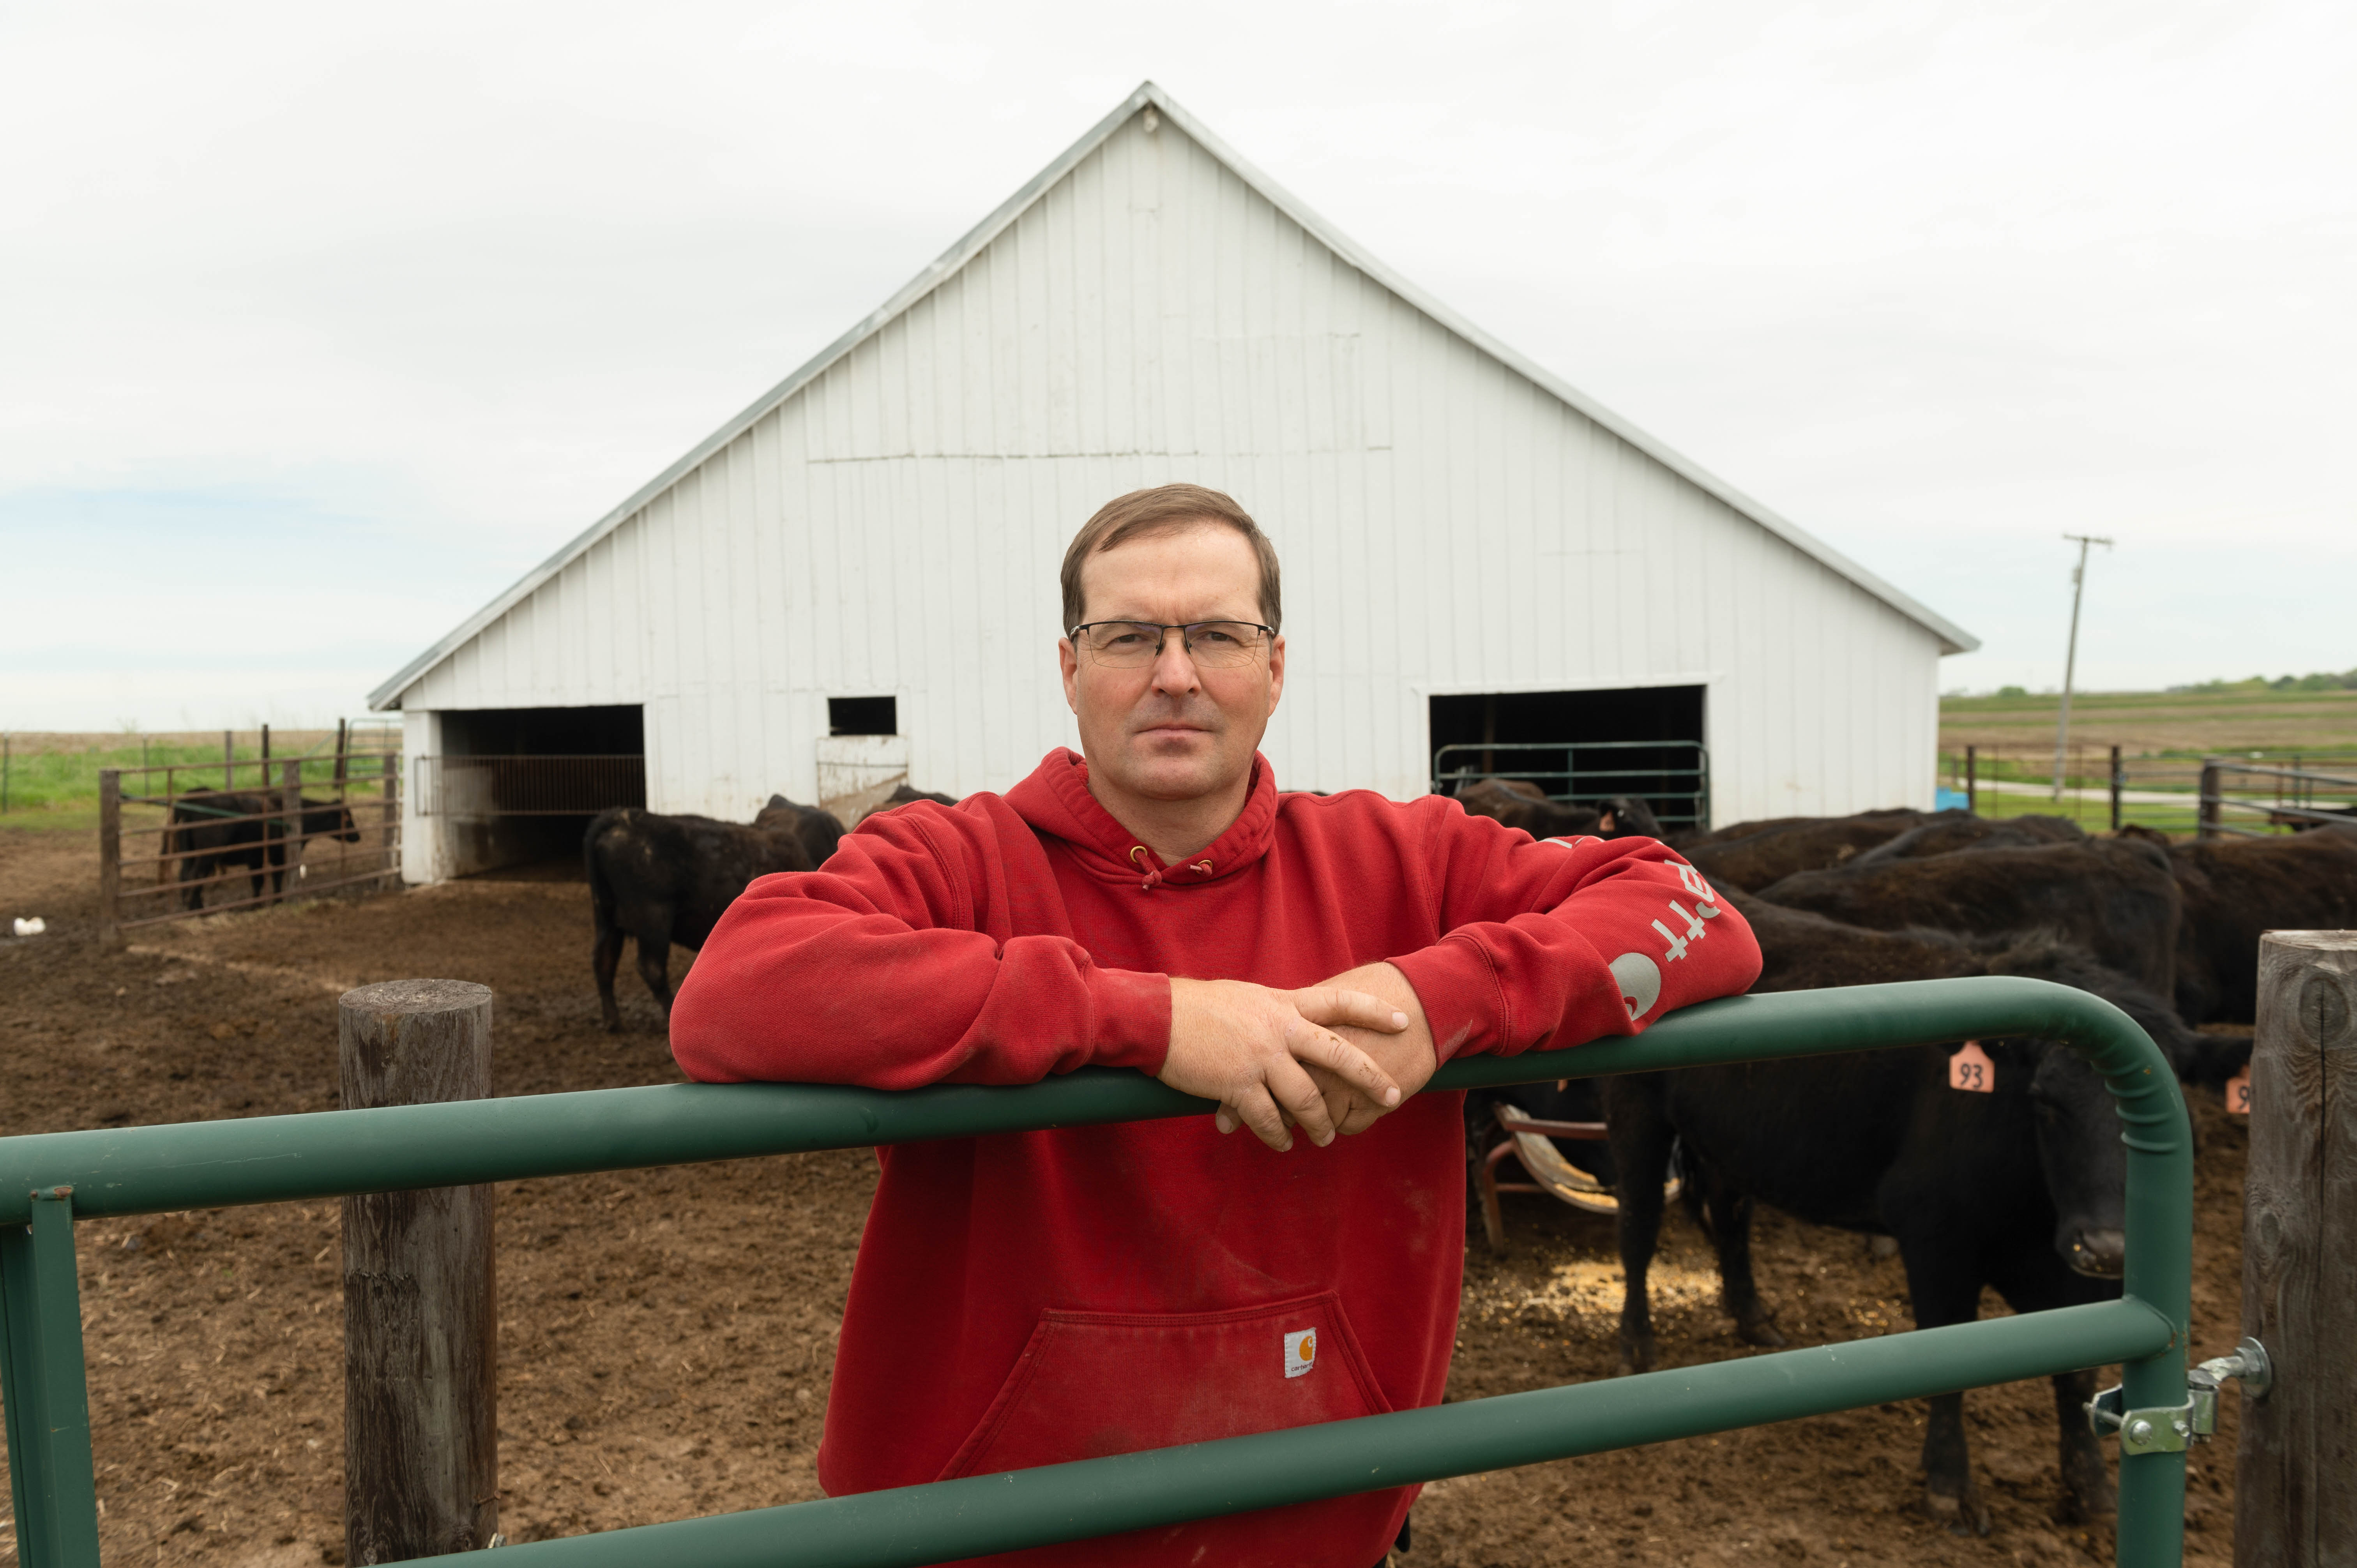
(48, 1180)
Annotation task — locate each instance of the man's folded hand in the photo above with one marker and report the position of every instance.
(1253, 1049)
(1407, 1055)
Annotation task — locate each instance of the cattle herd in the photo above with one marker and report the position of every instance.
(2016, 1182)
(2011, 1177)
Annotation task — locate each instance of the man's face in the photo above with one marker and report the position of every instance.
(1171, 731)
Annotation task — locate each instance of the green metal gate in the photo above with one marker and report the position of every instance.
(1673, 776)
(48, 1180)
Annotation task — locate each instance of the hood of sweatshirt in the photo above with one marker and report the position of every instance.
(1055, 800)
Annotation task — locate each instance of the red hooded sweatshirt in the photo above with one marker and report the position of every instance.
(1029, 1298)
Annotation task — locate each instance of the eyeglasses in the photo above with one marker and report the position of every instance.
(1134, 644)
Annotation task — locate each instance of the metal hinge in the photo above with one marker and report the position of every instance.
(2162, 1429)
(2167, 1429)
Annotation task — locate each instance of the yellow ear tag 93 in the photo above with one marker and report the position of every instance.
(1971, 1069)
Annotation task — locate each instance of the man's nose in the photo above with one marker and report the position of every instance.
(1174, 667)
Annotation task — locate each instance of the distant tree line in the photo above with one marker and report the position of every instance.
(2324, 681)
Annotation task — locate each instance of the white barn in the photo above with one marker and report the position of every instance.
(856, 578)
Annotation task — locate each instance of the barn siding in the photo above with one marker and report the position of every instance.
(895, 527)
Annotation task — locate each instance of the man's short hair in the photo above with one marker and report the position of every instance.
(1166, 508)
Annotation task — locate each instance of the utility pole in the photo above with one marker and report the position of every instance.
(2071, 658)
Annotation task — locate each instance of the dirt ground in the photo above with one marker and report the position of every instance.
(666, 1336)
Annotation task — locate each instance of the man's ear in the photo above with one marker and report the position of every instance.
(1069, 661)
(1275, 671)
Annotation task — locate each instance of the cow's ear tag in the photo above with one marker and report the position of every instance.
(1971, 1069)
(2238, 1091)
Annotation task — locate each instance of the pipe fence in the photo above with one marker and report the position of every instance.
(179, 840)
(50, 1180)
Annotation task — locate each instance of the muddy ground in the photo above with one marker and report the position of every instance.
(666, 1336)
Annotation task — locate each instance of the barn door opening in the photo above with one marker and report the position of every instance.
(1644, 741)
(514, 789)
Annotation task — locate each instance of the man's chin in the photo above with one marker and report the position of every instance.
(1174, 778)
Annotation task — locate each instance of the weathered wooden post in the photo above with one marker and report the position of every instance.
(110, 857)
(1973, 779)
(421, 1329)
(2118, 781)
(2296, 1479)
(2205, 825)
(393, 812)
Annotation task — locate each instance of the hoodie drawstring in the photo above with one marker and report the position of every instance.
(1154, 873)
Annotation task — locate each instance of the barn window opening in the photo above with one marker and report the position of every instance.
(515, 788)
(1582, 746)
(863, 716)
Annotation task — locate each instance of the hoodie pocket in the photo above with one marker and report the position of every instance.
(1092, 1383)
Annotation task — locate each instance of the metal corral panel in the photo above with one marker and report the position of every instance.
(1449, 518)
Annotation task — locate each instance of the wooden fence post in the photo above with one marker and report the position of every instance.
(2296, 1476)
(290, 827)
(110, 857)
(421, 1325)
(2117, 781)
(1973, 779)
(2205, 825)
(393, 812)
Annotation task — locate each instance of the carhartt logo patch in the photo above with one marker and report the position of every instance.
(1300, 1352)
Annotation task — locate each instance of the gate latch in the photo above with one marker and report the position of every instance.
(2167, 1429)
(2248, 1366)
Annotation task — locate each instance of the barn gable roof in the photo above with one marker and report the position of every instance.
(1952, 639)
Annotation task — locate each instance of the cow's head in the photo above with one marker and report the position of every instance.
(2085, 1166)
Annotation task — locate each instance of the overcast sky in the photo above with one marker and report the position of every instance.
(320, 325)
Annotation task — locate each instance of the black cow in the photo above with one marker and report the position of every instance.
(819, 829)
(1624, 817)
(903, 794)
(1519, 803)
(2237, 888)
(219, 829)
(1781, 849)
(2022, 1187)
(2114, 897)
(1955, 836)
(1762, 825)
(660, 880)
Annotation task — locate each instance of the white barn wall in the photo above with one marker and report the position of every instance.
(1446, 524)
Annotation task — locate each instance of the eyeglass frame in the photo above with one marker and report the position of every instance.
(1185, 643)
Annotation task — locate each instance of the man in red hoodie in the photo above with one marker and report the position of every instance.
(1156, 902)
